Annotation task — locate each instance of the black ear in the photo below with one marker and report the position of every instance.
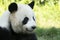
(13, 7)
(31, 4)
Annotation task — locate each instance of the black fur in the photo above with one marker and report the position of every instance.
(13, 7)
(33, 18)
(22, 36)
(11, 35)
(31, 4)
(5, 34)
(25, 20)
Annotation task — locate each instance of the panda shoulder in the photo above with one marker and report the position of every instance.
(4, 19)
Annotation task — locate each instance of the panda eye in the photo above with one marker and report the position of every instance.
(25, 20)
(33, 18)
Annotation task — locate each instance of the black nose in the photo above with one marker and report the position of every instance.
(33, 27)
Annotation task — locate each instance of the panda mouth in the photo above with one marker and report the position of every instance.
(29, 30)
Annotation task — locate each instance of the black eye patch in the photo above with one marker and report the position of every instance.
(25, 20)
(33, 18)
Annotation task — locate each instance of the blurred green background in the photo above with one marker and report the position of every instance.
(47, 14)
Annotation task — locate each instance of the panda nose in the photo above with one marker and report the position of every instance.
(33, 27)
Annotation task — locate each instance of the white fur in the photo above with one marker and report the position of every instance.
(18, 16)
(4, 20)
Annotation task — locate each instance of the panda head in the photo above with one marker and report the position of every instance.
(22, 17)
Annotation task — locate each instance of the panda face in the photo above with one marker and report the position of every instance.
(22, 18)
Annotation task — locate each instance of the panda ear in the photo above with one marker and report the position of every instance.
(31, 4)
(13, 7)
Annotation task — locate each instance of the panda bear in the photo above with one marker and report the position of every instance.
(18, 22)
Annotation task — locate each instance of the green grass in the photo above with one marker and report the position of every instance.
(48, 34)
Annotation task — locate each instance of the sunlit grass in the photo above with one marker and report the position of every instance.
(48, 16)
